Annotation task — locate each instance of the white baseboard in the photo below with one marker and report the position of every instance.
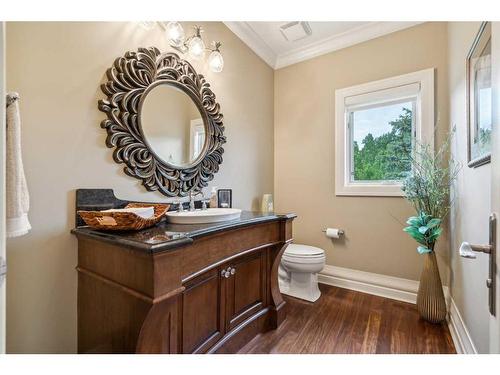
(399, 289)
(458, 330)
(372, 283)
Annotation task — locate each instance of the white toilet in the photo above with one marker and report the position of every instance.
(298, 272)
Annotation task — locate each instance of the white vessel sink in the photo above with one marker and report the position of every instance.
(210, 215)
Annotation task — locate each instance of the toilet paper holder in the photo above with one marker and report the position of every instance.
(341, 232)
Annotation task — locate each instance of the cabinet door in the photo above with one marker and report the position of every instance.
(202, 312)
(245, 287)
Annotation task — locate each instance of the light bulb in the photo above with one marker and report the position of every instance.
(216, 62)
(196, 48)
(175, 34)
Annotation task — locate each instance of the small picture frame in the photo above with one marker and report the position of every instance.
(224, 198)
(479, 99)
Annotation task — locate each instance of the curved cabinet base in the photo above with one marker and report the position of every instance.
(241, 335)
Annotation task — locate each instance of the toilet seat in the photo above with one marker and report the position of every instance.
(303, 260)
(303, 253)
(303, 250)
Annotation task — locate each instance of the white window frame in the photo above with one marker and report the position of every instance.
(372, 92)
(197, 129)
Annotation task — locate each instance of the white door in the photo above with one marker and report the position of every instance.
(495, 178)
(2, 189)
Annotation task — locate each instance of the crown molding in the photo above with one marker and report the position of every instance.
(254, 41)
(349, 38)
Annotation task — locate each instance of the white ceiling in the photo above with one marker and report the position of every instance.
(267, 40)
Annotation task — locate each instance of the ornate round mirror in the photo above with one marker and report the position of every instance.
(172, 125)
(162, 121)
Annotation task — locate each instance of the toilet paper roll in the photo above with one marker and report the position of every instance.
(333, 232)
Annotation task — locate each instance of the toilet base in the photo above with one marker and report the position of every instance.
(301, 285)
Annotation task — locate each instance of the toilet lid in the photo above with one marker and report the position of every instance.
(298, 250)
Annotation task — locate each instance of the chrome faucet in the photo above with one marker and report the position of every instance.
(180, 207)
(191, 199)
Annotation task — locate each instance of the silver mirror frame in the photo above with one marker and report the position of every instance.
(129, 80)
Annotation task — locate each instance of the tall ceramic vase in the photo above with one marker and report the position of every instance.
(431, 304)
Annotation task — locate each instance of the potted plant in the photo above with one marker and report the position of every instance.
(427, 188)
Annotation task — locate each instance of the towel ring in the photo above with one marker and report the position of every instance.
(11, 98)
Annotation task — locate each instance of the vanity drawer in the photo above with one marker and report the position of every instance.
(205, 252)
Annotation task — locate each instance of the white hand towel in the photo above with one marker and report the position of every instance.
(144, 212)
(18, 200)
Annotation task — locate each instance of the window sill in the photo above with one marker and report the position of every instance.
(368, 190)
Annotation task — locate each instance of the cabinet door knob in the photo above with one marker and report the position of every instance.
(227, 272)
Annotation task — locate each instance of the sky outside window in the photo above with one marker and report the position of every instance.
(376, 120)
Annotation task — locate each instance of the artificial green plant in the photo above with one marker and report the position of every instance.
(427, 188)
(424, 229)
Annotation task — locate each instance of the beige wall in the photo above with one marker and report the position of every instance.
(2, 186)
(469, 216)
(57, 69)
(305, 151)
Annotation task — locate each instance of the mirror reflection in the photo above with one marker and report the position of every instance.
(172, 125)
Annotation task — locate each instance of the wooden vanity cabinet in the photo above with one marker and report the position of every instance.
(211, 294)
(203, 316)
(245, 289)
(216, 301)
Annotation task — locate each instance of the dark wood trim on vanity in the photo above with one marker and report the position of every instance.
(173, 297)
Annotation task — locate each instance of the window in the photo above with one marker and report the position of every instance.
(377, 125)
(381, 141)
(197, 138)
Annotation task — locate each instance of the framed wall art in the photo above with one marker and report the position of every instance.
(479, 100)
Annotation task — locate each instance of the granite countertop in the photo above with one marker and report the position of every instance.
(165, 236)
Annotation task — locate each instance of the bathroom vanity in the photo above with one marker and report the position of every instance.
(178, 288)
(172, 288)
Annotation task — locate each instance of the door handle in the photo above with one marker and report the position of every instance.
(469, 251)
(3, 266)
(3, 270)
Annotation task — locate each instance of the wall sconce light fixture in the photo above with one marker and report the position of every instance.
(193, 45)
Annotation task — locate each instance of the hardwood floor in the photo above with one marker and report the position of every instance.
(346, 321)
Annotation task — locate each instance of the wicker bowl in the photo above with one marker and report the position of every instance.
(123, 220)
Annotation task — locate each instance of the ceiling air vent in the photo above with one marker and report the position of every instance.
(296, 30)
